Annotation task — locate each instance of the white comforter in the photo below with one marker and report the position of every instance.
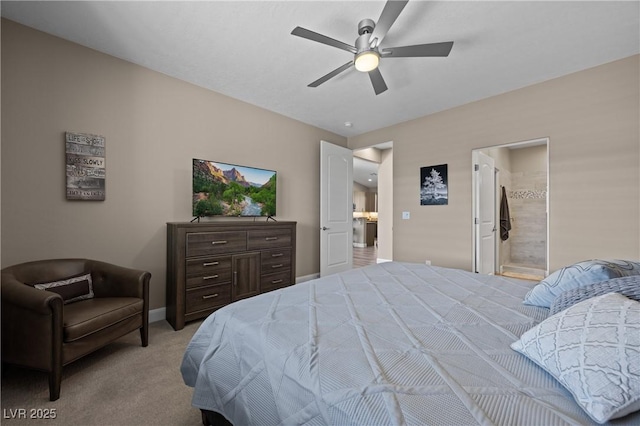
(393, 343)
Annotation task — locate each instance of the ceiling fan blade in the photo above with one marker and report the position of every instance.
(379, 85)
(332, 74)
(388, 16)
(308, 34)
(419, 50)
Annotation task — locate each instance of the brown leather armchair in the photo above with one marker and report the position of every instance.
(40, 331)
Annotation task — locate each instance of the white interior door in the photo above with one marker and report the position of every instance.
(485, 214)
(336, 208)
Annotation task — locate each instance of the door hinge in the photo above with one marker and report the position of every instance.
(476, 220)
(476, 167)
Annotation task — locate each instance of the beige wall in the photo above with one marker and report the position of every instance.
(370, 154)
(154, 125)
(361, 188)
(592, 119)
(530, 159)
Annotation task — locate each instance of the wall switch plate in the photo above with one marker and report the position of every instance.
(406, 215)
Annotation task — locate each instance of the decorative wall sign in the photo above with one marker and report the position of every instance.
(86, 173)
(433, 185)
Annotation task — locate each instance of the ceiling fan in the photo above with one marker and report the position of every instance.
(367, 52)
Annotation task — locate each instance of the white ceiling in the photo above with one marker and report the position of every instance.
(365, 172)
(245, 50)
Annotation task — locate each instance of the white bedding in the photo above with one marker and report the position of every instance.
(393, 343)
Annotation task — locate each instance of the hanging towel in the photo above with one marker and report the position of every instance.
(505, 220)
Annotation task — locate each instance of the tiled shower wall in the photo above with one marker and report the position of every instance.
(504, 252)
(528, 204)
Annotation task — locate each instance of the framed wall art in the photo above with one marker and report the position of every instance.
(433, 185)
(85, 161)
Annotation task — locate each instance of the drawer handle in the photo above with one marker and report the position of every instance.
(219, 242)
(276, 281)
(280, 265)
(210, 296)
(210, 277)
(277, 255)
(271, 238)
(210, 263)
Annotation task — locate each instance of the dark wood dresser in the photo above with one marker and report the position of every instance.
(212, 264)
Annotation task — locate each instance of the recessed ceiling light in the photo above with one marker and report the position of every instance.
(347, 124)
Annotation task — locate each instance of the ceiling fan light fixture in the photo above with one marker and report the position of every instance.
(367, 61)
(366, 47)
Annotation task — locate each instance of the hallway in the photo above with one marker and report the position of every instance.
(363, 256)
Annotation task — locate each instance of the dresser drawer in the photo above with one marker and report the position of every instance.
(274, 281)
(208, 243)
(208, 271)
(214, 263)
(208, 297)
(275, 260)
(268, 238)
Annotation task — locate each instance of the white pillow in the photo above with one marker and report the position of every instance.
(578, 275)
(593, 350)
(71, 289)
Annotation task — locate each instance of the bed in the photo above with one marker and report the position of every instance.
(392, 343)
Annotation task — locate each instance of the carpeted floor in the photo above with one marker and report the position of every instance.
(121, 384)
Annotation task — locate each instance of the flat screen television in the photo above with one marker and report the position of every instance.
(221, 189)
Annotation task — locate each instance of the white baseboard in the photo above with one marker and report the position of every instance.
(306, 278)
(156, 315)
(360, 245)
(380, 260)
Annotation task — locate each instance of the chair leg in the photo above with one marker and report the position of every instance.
(144, 335)
(55, 379)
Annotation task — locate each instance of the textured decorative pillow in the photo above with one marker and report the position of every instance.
(627, 286)
(593, 350)
(71, 289)
(578, 275)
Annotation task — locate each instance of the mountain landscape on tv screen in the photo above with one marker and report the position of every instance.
(221, 189)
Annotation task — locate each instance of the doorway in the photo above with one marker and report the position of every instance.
(365, 211)
(373, 204)
(336, 180)
(518, 245)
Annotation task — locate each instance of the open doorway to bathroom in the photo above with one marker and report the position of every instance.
(515, 200)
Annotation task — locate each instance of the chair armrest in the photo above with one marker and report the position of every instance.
(26, 297)
(31, 318)
(111, 280)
